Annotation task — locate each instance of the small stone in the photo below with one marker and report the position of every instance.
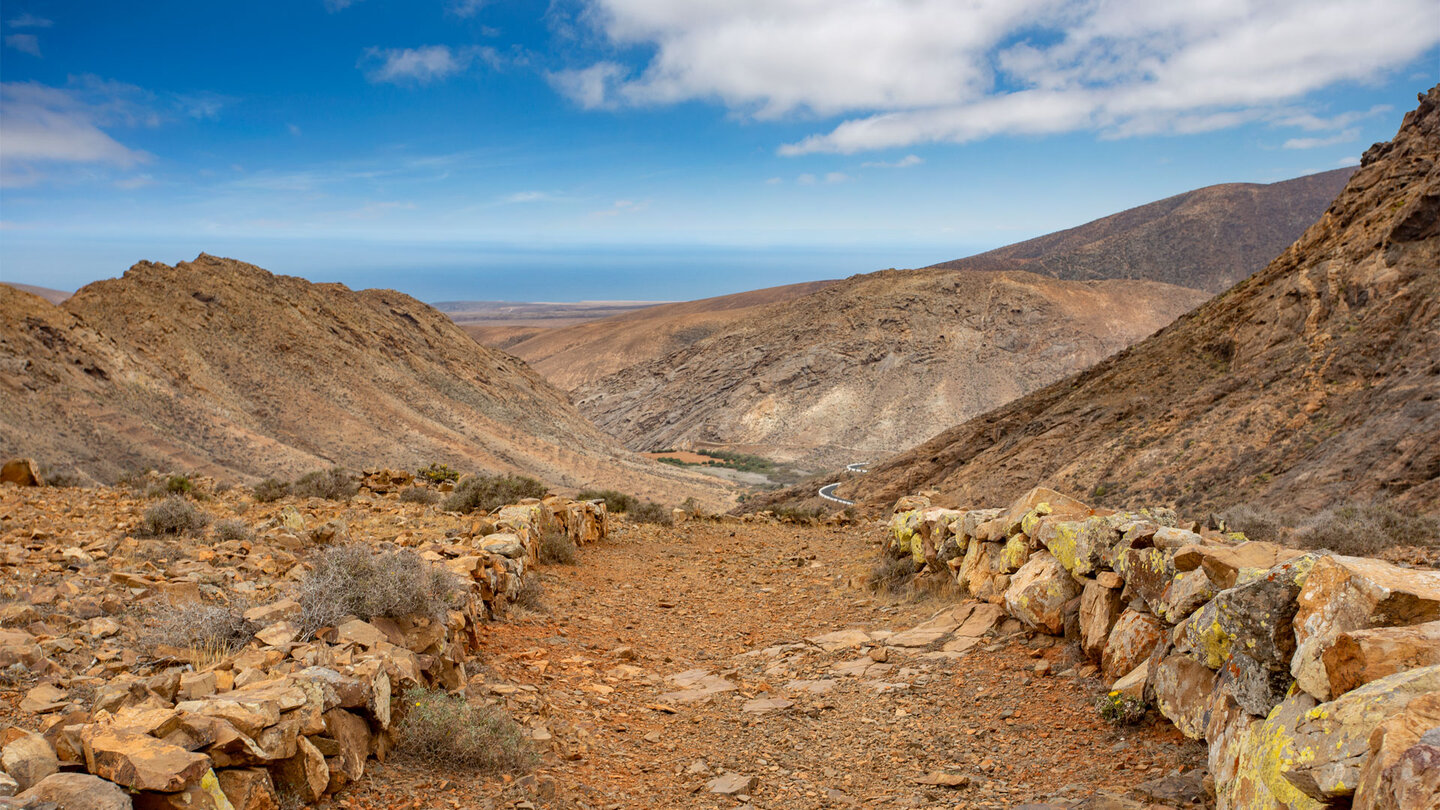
(732, 784)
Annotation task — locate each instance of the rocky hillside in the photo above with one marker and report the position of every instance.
(219, 367)
(1207, 239)
(875, 362)
(583, 353)
(1317, 380)
(53, 296)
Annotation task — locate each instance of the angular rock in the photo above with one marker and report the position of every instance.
(1228, 566)
(78, 791)
(21, 472)
(1148, 573)
(1099, 609)
(1354, 593)
(1134, 683)
(139, 761)
(29, 759)
(1257, 616)
(352, 739)
(1053, 502)
(249, 788)
(1358, 657)
(1403, 766)
(1265, 750)
(1040, 592)
(732, 784)
(982, 570)
(1256, 687)
(1079, 545)
(1188, 592)
(305, 775)
(203, 795)
(1131, 641)
(1183, 692)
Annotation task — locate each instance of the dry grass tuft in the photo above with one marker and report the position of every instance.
(556, 547)
(1366, 530)
(486, 492)
(173, 516)
(443, 728)
(355, 581)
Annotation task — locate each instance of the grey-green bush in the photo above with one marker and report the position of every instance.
(356, 581)
(651, 512)
(271, 489)
(1365, 530)
(334, 484)
(233, 530)
(173, 516)
(615, 502)
(419, 495)
(215, 629)
(486, 492)
(444, 728)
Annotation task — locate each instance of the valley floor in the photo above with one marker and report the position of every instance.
(593, 678)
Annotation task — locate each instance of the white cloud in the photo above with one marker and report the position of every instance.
(528, 197)
(806, 179)
(293, 129)
(774, 181)
(836, 177)
(138, 181)
(1314, 143)
(333, 6)
(24, 43)
(28, 20)
(919, 71)
(903, 163)
(1353, 160)
(45, 126)
(622, 207)
(422, 65)
(465, 8)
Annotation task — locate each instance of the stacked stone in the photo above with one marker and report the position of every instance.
(1314, 677)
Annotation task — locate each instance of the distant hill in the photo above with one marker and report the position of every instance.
(576, 355)
(219, 367)
(1313, 382)
(1207, 239)
(874, 362)
(53, 296)
(502, 324)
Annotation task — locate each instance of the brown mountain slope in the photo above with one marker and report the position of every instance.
(575, 355)
(53, 296)
(1314, 381)
(219, 367)
(876, 361)
(1207, 239)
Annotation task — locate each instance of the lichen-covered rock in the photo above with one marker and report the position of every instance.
(1358, 657)
(982, 570)
(1099, 609)
(1048, 500)
(1229, 565)
(1256, 687)
(1332, 740)
(1355, 593)
(1131, 641)
(1254, 618)
(1402, 769)
(1079, 545)
(1183, 689)
(203, 795)
(1040, 592)
(1147, 572)
(1015, 554)
(249, 788)
(1268, 747)
(1187, 593)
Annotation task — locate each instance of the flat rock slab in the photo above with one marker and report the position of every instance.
(841, 640)
(766, 705)
(698, 685)
(732, 784)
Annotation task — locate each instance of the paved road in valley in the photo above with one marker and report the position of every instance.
(828, 491)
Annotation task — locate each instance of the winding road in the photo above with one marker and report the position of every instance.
(828, 491)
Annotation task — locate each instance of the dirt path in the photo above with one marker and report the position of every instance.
(594, 678)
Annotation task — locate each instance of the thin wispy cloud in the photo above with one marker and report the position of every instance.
(421, 65)
(333, 6)
(906, 162)
(28, 20)
(465, 8)
(1314, 143)
(24, 43)
(46, 126)
(528, 197)
(931, 71)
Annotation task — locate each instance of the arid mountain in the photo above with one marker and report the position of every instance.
(53, 296)
(576, 355)
(501, 324)
(1315, 381)
(874, 362)
(1207, 239)
(219, 367)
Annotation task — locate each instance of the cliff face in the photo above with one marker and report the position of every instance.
(1208, 239)
(1314, 381)
(219, 366)
(875, 362)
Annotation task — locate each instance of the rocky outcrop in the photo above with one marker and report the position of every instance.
(1285, 662)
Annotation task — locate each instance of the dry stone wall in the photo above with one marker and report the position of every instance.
(1313, 677)
(284, 714)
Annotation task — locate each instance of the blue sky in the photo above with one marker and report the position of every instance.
(657, 149)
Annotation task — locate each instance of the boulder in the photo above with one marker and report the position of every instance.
(21, 472)
(1355, 593)
(351, 736)
(1048, 501)
(78, 791)
(1255, 617)
(1358, 657)
(1148, 572)
(1131, 641)
(1258, 688)
(1099, 608)
(29, 759)
(305, 775)
(205, 794)
(1079, 545)
(1229, 566)
(1039, 593)
(1187, 593)
(1403, 766)
(139, 761)
(981, 571)
(1267, 747)
(249, 789)
(1134, 683)
(1183, 692)
(1331, 742)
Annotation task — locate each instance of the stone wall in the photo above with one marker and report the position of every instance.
(1313, 677)
(286, 714)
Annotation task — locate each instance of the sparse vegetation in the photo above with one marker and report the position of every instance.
(173, 516)
(890, 574)
(419, 495)
(1120, 710)
(487, 492)
(271, 489)
(205, 631)
(355, 581)
(651, 512)
(531, 594)
(441, 728)
(556, 547)
(1255, 522)
(799, 514)
(615, 502)
(334, 484)
(233, 530)
(438, 473)
(1366, 530)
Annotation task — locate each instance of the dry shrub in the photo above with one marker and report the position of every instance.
(615, 502)
(419, 495)
(799, 514)
(438, 473)
(531, 595)
(355, 581)
(444, 728)
(231, 529)
(172, 485)
(891, 574)
(1366, 530)
(650, 512)
(334, 484)
(486, 492)
(173, 516)
(1255, 522)
(208, 631)
(556, 547)
(271, 489)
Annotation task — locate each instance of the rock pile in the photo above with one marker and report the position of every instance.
(111, 717)
(1314, 677)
